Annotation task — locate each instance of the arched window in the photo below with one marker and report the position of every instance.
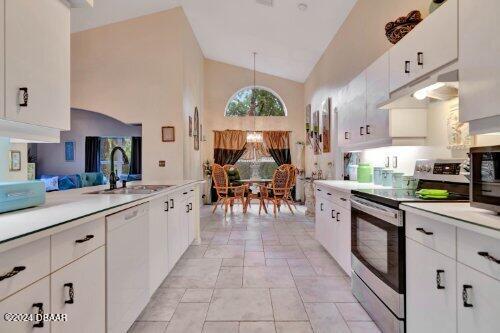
(266, 103)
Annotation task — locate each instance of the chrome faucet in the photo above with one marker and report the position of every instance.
(112, 176)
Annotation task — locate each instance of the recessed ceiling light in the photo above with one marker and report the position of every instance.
(302, 7)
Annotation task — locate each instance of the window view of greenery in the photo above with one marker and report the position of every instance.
(267, 166)
(107, 144)
(268, 104)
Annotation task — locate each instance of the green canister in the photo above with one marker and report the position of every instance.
(365, 173)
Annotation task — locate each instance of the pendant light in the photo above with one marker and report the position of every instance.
(254, 136)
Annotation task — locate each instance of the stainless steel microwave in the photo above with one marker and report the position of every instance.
(485, 178)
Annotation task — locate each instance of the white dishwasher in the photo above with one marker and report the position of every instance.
(127, 267)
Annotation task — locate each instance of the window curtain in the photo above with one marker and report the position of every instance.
(229, 146)
(92, 154)
(278, 145)
(136, 158)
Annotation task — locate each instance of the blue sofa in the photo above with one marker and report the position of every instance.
(68, 182)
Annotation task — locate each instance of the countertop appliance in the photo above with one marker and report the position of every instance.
(378, 239)
(127, 267)
(19, 195)
(485, 178)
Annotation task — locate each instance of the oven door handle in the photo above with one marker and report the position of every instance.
(385, 213)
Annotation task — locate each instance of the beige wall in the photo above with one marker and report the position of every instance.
(145, 70)
(222, 81)
(359, 42)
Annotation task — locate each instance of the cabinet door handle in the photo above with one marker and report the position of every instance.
(361, 129)
(40, 312)
(16, 270)
(71, 293)
(333, 213)
(23, 97)
(346, 135)
(368, 130)
(338, 219)
(190, 206)
(184, 193)
(438, 279)
(328, 193)
(489, 257)
(420, 58)
(319, 190)
(465, 295)
(321, 206)
(187, 208)
(422, 230)
(83, 240)
(343, 199)
(172, 203)
(166, 206)
(407, 67)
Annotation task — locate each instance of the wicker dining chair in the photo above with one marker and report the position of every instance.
(278, 191)
(226, 194)
(292, 181)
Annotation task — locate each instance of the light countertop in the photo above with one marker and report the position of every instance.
(460, 214)
(347, 185)
(67, 206)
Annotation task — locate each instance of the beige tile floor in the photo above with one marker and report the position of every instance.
(255, 274)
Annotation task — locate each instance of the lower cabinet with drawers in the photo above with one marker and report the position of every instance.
(333, 224)
(58, 283)
(452, 278)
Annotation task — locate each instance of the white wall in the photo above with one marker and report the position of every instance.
(5, 174)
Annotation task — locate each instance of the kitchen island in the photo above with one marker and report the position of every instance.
(79, 254)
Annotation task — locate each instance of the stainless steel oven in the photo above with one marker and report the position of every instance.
(378, 262)
(485, 178)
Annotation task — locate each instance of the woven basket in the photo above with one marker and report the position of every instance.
(402, 26)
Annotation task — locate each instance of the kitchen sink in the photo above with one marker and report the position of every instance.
(137, 189)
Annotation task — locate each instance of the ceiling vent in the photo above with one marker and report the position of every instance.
(268, 3)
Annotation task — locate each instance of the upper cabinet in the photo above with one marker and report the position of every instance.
(377, 91)
(430, 45)
(479, 59)
(37, 62)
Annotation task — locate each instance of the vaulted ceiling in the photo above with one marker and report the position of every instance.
(289, 41)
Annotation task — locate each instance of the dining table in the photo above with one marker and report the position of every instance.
(255, 183)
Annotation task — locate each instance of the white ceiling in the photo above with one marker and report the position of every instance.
(289, 42)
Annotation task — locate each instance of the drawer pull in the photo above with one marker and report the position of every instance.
(319, 190)
(465, 296)
(438, 279)
(343, 199)
(328, 193)
(71, 293)
(184, 193)
(83, 240)
(487, 256)
(422, 230)
(40, 313)
(13, 272)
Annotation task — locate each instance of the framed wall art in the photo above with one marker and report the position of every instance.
(69, 151)
(14, 160)
(168, 134)
(326, 125)
(190, 126)
(308, 124)
(196, 129)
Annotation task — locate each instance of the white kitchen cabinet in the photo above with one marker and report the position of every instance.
(174, 228)
(479, 60)
(341, 105)
(158, 243)
(37, 61)
(34, 299)
(353, 119)
(377, 91)
(430, 45)
(430, 290)
(478, 301)
(78, 290)
(333, 225)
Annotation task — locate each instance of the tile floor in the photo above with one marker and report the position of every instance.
(255, 274)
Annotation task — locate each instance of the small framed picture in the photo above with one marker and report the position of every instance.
(168, 134)
(15, 160)
(69, 151)
(190, 126)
